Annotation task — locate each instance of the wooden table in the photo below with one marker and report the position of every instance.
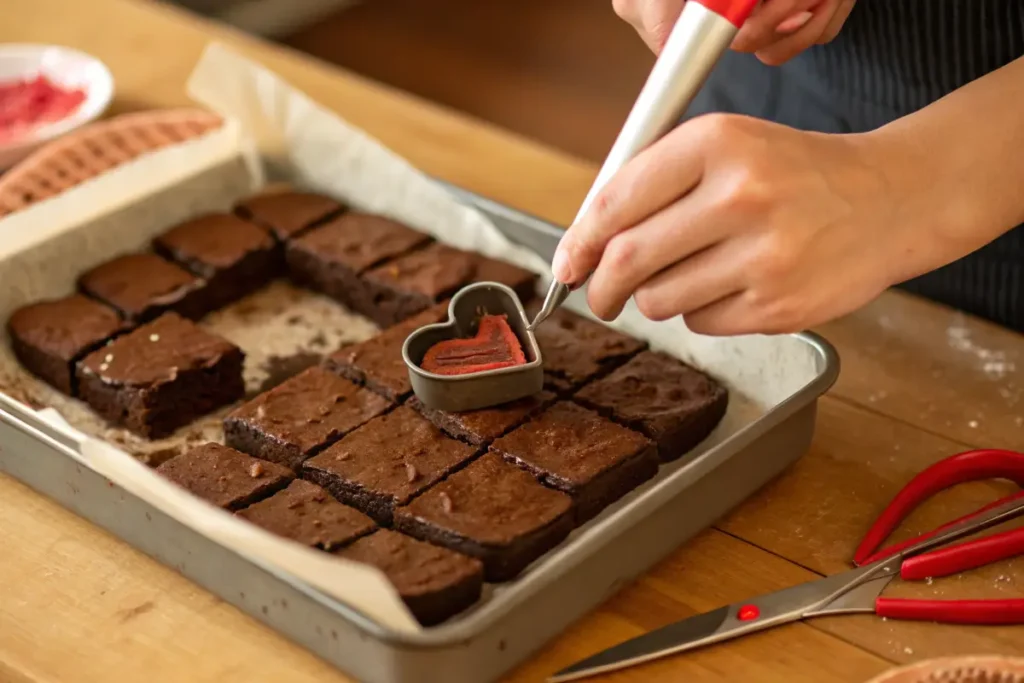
(918, 383)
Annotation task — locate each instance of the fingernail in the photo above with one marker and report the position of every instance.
(794, 22)
(560, 267)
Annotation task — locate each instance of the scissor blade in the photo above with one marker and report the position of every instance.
(724, 623)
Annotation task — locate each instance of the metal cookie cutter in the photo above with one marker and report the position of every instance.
(457, 393)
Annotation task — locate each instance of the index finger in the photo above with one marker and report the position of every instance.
(649, 182)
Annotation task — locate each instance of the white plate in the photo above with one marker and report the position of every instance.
(65, 67)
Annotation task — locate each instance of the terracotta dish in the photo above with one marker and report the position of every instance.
(93, 149)
(958, 670)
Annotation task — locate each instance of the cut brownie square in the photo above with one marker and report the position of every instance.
(386, 462)
(576, 350)
(669, 401)
(224, 477)
(286, 214)
(49, 336)
(577, 451)
(144, 286)
(234, 256)
(409, 284)
(523, 282)
(377, 362)
(494, 511)
(480, 427)
(435, 583)
(161, 376)
(300, 417)
(330, 258)
(306, 513)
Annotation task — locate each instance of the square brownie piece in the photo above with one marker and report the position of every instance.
(234, 256)
(577, 451)
(224, 477)
(494, 511)
(480, 427)
(523, 282)
(301, 417)
(286, 214)
(386, 462)
(435, 583)
(409, 284)
(161, 376)
(144, 286)
(576, 350)
(49, 336)
(330, 257)
(674, 404)
(307, 514)
(377, 362)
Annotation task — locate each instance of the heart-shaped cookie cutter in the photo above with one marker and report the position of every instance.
(458, 393)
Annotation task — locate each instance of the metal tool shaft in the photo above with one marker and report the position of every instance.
(695, 45)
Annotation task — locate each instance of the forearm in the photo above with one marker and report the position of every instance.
(961, 159)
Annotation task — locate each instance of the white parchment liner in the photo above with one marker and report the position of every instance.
(274, 130)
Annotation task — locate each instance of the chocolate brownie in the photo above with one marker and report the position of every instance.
(576, 350)
(306, 513)
(435, 583)
(409, 284)
(49, 336)
(161, 376)
(666, 399)
(144, 286)
(377, 363)
(494, 511)
(330, 257)
(577, 451)
(300, 417)
(480, 427)
(521, 281)
(386, 462)
(286, 214)
(224, 477)
(234, 256)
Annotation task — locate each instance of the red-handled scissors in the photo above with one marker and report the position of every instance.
(859, 590)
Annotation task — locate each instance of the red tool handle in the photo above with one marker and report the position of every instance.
(957, 469)
(733, 11)
(952, 611)
(958, 558)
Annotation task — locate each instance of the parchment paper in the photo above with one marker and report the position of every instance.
(277, 132)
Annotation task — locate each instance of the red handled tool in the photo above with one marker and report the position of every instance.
(856, 591)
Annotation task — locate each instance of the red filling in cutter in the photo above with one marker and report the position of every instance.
(494, 346)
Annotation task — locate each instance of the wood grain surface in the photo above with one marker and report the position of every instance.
(918, 383)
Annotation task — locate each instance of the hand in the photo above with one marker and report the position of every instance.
(776, 31)
(745, 226)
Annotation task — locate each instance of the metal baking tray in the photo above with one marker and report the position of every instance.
(514, 620)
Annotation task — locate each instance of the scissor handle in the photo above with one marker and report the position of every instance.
(989, 612)
(969, 555)
(956, 469)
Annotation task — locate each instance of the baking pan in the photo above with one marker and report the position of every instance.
(514, 620)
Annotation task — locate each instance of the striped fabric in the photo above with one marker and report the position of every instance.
(892, 58)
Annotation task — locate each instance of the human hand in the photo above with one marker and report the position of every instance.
(776, 31)
(746, 226)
